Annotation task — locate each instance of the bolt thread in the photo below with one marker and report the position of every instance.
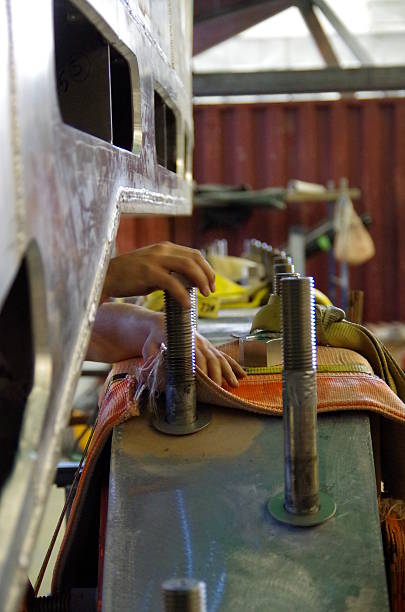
(281, 257)
(180, 361)
(285, 266)
(255, 247)
(298, 323)
(194, 308)
(184, 595)
(180, 327)
(283, 271)
(279, 277)
(301, 494)
(268, 261)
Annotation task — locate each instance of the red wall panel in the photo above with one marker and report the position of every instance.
(265, 145)
(398, 207)
(136, 232)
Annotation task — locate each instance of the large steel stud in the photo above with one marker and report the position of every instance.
(301, 504)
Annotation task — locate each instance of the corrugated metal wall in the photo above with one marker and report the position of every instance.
(266, 145)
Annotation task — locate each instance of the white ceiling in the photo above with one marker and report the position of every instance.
(284, 42)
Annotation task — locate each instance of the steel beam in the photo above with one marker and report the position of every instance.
(214, 28)
(299, 81)
(321, 40)
(355, 47)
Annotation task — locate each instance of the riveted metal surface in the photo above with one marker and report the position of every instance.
(63, 191)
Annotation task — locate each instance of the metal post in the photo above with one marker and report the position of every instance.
(282, 270)
(181, 416)
(184, 595)
(268, 257)
(302, 504)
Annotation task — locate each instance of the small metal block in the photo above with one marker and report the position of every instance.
(256, 351)
(327, 509)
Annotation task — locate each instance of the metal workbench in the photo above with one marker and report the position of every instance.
(196, 506)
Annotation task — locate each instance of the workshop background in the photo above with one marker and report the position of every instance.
(267, 139)
(267, 143)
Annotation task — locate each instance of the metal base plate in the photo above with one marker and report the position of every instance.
(327, 509)
(176, 429)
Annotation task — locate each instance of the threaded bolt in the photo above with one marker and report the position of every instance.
(194, 308)
(298, 320)
(268, 262)
(255, 246)
(184, 595)
(181, 415)
(282, 270)
(301, 492)
(279, 277)
(180, 361)
(281, 257)
(283, 267)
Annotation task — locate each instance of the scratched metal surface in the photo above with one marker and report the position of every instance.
(62, 193)
(195, 506)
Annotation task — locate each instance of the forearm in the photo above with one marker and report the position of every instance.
(120, 332)
(124, 331)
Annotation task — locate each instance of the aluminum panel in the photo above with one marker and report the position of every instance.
(9, 247)
(63, 191)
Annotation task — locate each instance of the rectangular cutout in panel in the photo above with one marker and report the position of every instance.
(16, 367)
(171, 135)
(82, 72)
(160, 129)
(121, 101)
(94, 84)
(187, 156)
(165, 134)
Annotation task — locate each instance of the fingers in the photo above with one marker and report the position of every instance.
(150, 268)
(214, 364)
(193, 265)
(236, 368)
(195, 270)
(217, 365)
(162, 279)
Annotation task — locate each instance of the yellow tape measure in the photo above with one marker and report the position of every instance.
(275, 369)
(333, 367)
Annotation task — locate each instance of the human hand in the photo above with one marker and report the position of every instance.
(124, 331)
(149, 268)
(216, 364)
(213, 362)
